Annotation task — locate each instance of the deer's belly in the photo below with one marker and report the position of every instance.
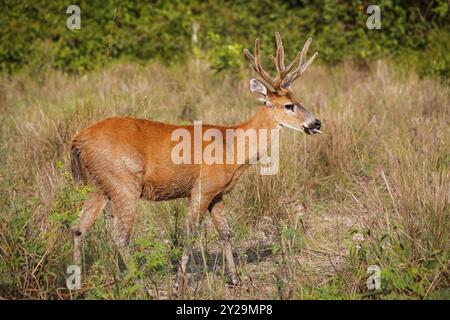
(166, 190)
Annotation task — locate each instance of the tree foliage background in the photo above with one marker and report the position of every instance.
(34, 33)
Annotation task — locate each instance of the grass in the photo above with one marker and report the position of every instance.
(374, 189)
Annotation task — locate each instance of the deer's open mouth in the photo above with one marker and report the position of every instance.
(311, 130)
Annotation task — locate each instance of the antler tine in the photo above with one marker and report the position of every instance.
(305, 51)
(256, 64)
(249, 57)
(293, 63)
(302, 66)
(302, 58)
(311, 60)
(280, 54)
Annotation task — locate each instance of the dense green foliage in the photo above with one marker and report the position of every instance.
(34, 33)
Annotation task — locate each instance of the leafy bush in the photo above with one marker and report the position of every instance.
(35, 35)
(436, 57)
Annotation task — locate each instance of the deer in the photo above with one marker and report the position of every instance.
(126, 159)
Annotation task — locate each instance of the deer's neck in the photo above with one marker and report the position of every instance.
(262, 123)
(260, 120)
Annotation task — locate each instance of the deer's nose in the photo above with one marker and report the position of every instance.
(317, 124)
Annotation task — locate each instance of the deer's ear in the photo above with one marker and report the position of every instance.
(258, 89)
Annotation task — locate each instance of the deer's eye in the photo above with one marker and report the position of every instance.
(289, 106)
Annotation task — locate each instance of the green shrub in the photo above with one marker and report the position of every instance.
(35, 34)
(67, 205)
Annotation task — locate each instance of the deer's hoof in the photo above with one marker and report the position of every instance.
(234, 281)
(178, 285)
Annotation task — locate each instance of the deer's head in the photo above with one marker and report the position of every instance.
(277, 93)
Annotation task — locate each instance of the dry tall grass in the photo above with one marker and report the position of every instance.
(373, 189)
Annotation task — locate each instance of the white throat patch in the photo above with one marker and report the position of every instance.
(290, 127)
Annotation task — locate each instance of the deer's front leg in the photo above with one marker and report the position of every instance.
(197, 207)
(220, 221)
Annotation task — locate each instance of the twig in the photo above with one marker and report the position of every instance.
(337, 272)
(433, 283)
(386, 214)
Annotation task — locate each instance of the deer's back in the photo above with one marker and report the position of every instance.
(121, 152)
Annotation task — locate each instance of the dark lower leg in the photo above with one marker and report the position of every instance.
(187, 251)
(121, 235)
(195, 215)
(221, 223)
(92, 207)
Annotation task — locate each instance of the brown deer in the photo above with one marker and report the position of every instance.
(127, 159)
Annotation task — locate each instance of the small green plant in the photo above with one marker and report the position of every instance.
(66, 207)
(401, 275)
(152, 256)
(152, 259)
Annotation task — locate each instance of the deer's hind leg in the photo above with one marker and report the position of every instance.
(92, 208)
(124, 205)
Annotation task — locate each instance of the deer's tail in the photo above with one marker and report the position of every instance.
(77, 168)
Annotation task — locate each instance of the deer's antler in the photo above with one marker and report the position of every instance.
(285, 75)
(256, 64)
